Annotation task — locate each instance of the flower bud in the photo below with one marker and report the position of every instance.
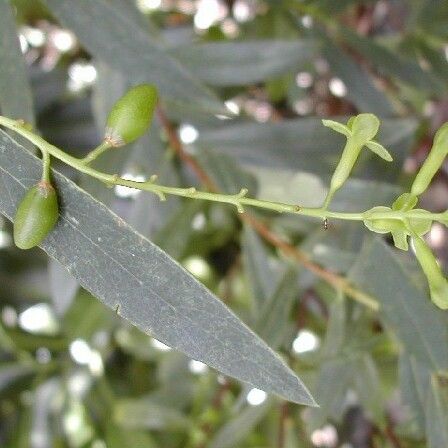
(433, 162)
(438, 285)
(131, 115)
(36, 215)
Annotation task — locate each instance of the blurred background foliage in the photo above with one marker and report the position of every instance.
(73, 374)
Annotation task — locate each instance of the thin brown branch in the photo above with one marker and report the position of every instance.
(284, 413)
(338, 282)
(174, 141)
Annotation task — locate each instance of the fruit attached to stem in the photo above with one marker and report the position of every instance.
(131, 115)
(36, 215)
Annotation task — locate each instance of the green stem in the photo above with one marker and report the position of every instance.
(46, 166)
(103, 147)
(238, 200)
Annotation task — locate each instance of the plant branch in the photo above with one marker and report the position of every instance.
(264, 231)
(239, 200)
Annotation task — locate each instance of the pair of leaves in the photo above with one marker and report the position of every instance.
(361, 129)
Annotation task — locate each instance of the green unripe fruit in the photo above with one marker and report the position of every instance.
(433, 162)
(438, 285)
(131, 115)
(36, 215)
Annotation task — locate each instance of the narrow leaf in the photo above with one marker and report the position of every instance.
(15, 93)
(414, 382)
(361, 91)
(233, 433)
(405, 308)
(240, 63)
(259, 273)
(143, 413)
(334, 378)
(142, 283)
(392, 63)
(273, 318)
(437, 413)
(299, 144)
(112, 36)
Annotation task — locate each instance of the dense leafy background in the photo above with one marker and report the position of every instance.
(244, 83)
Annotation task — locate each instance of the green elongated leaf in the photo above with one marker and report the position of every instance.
(434, 56)
(86, 317)
(45, 396)
(117, 437)
(392, 63)
(143, 413)
(336, 329)
(112, 36)
(260, 274)
(130, 10)
(239, 63)
(414, 383)
(15, 93)
(143, 284)
(21, 437)
(13, 372)
(437, 413)
(335, 376)
(405, 308)
(273, 316)
(361, 90)
(228, 176)
(368, 387)
(176, 234)
(432, 16)
(333, 7)
(233, 433)
(301, 144)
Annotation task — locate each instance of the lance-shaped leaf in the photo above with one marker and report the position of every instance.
(15, 92)
(142, 283)
(419, 325)
(240, 63)
(112, 35)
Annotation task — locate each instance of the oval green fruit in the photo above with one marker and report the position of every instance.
(131, 115)
(36, 215)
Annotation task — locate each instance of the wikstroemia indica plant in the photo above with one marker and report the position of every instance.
(131, 117)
